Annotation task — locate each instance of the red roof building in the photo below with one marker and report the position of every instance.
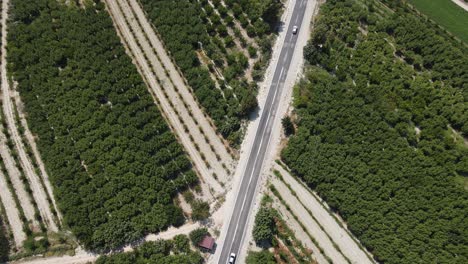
(207, 243)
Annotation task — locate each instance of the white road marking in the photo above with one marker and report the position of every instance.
(255, 161)
(269, 138)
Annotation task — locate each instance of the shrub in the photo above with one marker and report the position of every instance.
(200, 210)
(197, 235)
(264, 228)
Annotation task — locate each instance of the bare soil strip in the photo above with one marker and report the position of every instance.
(179, 81)
(173, 94)
(311, 225)
(15, 176)
(299, 232)
(38, 192)
(461, 4)
(12, 212)
(13, 173)
(32, 143)
(187, 94)
(338, 233)
(81, 257)
(134, 50)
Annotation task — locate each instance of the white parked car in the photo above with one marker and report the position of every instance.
(232, 258)
(294, 31)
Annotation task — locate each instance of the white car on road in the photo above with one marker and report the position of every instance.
(232, 258)
(294, 31)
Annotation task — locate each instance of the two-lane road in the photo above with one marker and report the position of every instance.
(246, 192)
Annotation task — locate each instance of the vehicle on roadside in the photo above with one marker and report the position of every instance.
(232, 258)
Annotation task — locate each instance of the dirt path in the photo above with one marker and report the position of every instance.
(461, 4)
(312, 227)
(186, 92)
(178, 102)
(15, 177)
(299, 232)
(39, 194)
(12, 212)
(81, 257)
(173, 231)
(142, 64)
(338, 233)
(31, 141)
(8, 160)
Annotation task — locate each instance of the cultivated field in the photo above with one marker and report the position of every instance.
(447, 14)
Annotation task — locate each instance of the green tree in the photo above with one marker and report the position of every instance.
(376, 137)
(197, 235)
(4, 243)
(180, 244)
(288, 126)
(200, 210)
(264, 227)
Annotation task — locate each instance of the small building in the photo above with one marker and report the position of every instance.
(207, 244)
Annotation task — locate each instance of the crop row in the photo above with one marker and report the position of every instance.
(114, 164)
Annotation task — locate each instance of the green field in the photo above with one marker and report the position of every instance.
(447, 14)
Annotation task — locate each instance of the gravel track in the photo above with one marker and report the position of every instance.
(142, 65)
(12, 212)
(38, 192)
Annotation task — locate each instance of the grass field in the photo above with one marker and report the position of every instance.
(447, 14)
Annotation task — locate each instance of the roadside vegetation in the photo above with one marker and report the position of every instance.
(277, 240)
(176, 250)
(261, 257)
(114, 163)
(382, 130)
(202, 37)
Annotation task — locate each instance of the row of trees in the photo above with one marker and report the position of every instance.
(176, 250)
(263, 14)
(378, 132)
(183, 32)
(4, 243)
(114, 163)
(259, 19)
(261, 257)
(188, 25)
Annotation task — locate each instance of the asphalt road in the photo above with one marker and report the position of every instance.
(245, 197)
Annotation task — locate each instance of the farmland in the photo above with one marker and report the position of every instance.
(380, 114)
(113, 161)
(211, 48)
(447, 14)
